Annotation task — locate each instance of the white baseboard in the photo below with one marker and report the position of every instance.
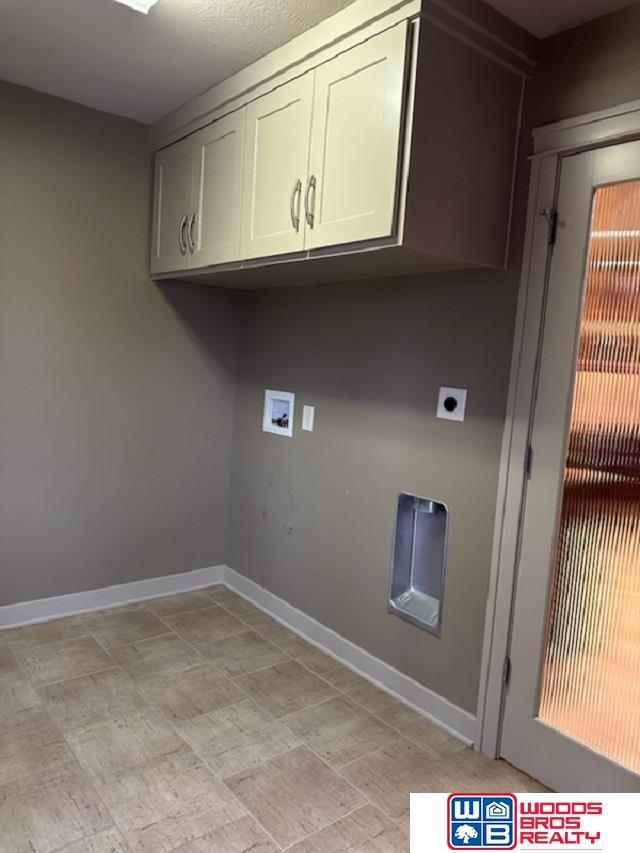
(454, 719)
(44, 609)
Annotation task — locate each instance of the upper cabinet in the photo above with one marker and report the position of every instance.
(322, 153)
(354, 156)
(172, 206)
(277, 158)
(218, 151)
(197, 198)
(388, 150)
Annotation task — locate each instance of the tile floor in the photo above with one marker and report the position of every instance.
(196, 723)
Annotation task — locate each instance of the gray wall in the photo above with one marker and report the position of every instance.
(591, 67)
(312, 516)
(115, 396)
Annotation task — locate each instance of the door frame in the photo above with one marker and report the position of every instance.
(550, 144)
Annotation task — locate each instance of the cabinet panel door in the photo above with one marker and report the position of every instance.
(276, 160)
(357, 117)
(172, 206)
(218, 156)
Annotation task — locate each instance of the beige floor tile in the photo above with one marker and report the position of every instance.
(375, 700)
(425, 734)
(192, 692)
(295, 795)
(65, 659)
(32, 747)
(41, 818)
(164, 655)
(388, 777)
(169, 605)
(262, 622)
(8, 661)
(366, 830)
(281, 637)
(123, 625)
(169, 804)
(242, 653)
(16, 697)
(112, 748)
(70, 628)
(212, 623)
(80, 702)
(237, 738)
(64, 700)
(109, 841)
(240, 836)
(311, 656)
(339, 731)
(286, 687)
(233, 602)
(343, 678)
(273, 630)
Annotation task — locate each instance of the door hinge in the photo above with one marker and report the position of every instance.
(506, 672)
(528, 462)
(551, 215)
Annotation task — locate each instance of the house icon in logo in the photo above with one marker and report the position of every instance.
(498, 809)
(481, 821)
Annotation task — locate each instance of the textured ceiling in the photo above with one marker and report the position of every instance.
(546, 17)
(107, 56)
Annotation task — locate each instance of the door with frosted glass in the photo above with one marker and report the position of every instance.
(572, 710)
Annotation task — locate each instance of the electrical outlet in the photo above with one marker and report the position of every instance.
(452, 403)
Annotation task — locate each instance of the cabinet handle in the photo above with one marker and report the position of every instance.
(295, 207)
(192, 222)
(183, 245)
(308, 212)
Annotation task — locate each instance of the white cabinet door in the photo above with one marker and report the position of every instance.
(214, 230)
(276, 160)
(172, 207)
(357, 117)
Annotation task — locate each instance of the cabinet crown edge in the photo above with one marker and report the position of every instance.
(355, 23)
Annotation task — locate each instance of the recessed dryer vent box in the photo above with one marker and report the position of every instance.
(419, 559)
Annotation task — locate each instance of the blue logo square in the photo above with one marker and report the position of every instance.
(497, 808)
(481, 821)
(466, 834)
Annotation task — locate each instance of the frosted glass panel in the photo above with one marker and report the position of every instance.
(591, 668)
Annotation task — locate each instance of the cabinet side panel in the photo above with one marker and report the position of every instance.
(463, 149)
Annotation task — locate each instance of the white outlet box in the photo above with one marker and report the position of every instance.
(452, 403)
(278, 412)
(308, 417)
